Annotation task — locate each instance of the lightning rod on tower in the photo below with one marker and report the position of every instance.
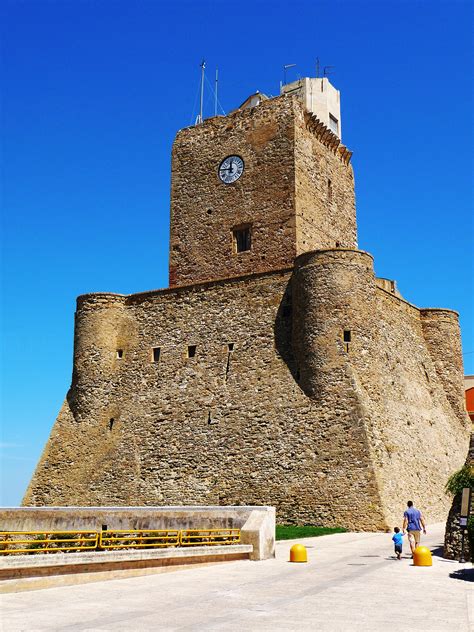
(203, 67)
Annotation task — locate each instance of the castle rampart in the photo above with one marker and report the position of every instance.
(237, 421)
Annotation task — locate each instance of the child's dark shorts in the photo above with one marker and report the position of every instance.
(398, 548)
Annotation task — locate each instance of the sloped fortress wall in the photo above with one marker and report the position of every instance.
(274, 407)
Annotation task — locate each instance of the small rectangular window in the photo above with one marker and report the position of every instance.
(230, 346)
(119, 354)
(191, 351)
(242, 239)
(156, 354)
(347, 335)
(333, 124)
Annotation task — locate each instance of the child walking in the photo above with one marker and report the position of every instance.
(398, 541)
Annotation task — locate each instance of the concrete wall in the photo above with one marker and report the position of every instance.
(257, 524)
(319, 96)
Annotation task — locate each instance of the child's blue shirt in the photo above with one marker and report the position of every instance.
(398, 538)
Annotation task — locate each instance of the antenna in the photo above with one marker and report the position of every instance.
(327, 70)
(203, 67)
(285, 68)
(215, 92)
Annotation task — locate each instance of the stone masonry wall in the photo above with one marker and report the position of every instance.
(220, 428)
(324, 198)
(417, 435)
(268, 411)
(453, 549)
(385, 378)
(204, 210)
(283, 194)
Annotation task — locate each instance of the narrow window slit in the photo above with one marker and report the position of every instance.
(242, 239)
(210, 420)
(156, 354)
(230, 349)
(346, 336)
(119, 354)
(191, 351)
(111, 423)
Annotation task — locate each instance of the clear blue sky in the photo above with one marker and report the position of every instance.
(93, 94)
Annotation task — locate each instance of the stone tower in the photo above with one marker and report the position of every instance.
(276, 368)
(295, 192)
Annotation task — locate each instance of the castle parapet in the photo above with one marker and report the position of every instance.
(99, 300)
(443, 339)
(335, 294)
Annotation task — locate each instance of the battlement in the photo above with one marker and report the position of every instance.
(328, 138)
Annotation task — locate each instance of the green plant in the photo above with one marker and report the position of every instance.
(460, 479)
(291, 532)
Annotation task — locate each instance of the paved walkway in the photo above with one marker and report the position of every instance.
(351, 583)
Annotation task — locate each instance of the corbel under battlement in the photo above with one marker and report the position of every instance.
(327, 137)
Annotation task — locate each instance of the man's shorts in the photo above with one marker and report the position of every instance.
(414, 535)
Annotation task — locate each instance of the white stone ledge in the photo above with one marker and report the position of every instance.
(256, 523)
(47, 560)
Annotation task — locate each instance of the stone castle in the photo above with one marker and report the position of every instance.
(276, 369)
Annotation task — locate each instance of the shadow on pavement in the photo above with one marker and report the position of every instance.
(464, 574)
(437, 551)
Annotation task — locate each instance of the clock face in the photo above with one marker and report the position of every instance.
(230, 169)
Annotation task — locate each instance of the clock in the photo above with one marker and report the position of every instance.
(230, 169)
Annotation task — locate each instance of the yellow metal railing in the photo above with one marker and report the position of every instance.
(30, 542)
(126, 539)
(196, 537)
(12, 542)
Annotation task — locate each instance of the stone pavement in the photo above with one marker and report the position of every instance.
(351, 583)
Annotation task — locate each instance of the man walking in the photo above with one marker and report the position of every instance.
(413, 522)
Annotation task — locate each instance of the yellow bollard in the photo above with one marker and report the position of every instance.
(422, 556)
(298, 553)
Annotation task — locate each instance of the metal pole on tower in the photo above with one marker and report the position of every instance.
(215, 92)
(203, 67)
(285, 68)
